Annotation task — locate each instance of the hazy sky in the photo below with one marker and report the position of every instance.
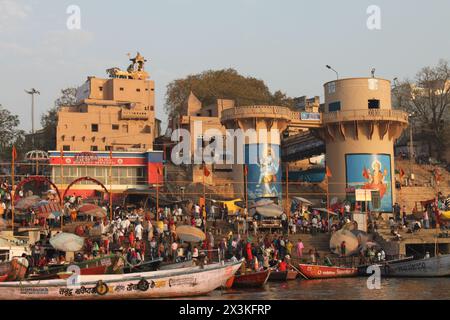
(285, 43)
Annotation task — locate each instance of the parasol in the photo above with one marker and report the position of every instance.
(92, 210)
(67, 242)
(270, 210)
(303, 200)
(26, 203)
(48, 210)
(351, 242)
(190, 234)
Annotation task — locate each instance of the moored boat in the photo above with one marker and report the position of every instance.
(146, 285)
(437, 266)
(283, 275)
(362, 269)
(111, 264)
(251, 279)
(12, 270)
(312, 271)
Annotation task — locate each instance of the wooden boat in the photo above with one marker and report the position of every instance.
(312, 271)
(12, 270)
(283, 275)
(141, 285)
(362, 269)
(437, 266)
(252, 279)
(112, 264)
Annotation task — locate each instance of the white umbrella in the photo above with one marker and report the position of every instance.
(325, 211)
(67, 242)
(271, 210)
(190, 234)
(300, 199)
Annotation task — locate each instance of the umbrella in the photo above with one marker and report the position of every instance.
(300, 199)
(92, 210)
(270, 210)
(67, 242)
(48, 210)
(190, 234)
(26, 203)
(351, 242)
(325, 211)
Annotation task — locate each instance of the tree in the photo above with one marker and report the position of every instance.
(10, 134)
(427, 99)
(49, 120)
(213, 84)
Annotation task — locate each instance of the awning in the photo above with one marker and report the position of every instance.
(325, 211)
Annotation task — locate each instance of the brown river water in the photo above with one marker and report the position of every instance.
(342, 289)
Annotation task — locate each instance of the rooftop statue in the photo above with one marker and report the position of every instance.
(134, 71)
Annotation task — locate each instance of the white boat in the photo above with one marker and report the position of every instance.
(183, 282)
(437, 266)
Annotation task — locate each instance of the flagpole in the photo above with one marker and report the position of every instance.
(14, 153)
(204, 197)
(110, 187)
(288, 211)
(157, 194)
(61, 201)
(246, 196)
(327, 173)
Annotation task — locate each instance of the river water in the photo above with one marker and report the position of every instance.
(344, 288)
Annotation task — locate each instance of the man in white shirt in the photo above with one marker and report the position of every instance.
(138, 230)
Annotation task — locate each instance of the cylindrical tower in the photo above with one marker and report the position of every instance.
(359, 129)
(256, 131)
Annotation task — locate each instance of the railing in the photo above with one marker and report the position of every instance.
(256, 111)
(370, 114)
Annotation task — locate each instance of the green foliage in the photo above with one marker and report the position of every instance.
(427, 99)
(221, 84)
(10, 134)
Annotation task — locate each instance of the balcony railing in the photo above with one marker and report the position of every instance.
(256, 111)
(365, 114)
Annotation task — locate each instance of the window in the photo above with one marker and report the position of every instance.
(100, 88)
(146, 89)
(121, 88)
(94, 127)
(334, 106)
(115, 127)
(108, 148)
(210, 113)
(66, 148)
(332, 87)
(94, 148)
(374, 104)
(125, 128)
(138, 90)
(151, 108)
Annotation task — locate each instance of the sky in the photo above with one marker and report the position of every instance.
(286, 43)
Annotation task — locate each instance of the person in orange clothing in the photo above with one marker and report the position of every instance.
(248, 249)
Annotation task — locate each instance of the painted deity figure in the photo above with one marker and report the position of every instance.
(375, 179)
(268, 172)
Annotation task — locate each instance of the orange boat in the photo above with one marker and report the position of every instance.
(253, 279)
(312, 271)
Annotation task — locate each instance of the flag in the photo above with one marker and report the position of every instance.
(402, 173)
(365, 173)
(14, 153)
(328, 172)
(206, 171)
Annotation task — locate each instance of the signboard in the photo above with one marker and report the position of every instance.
(371, 172)
(310, 116)
(363, 195)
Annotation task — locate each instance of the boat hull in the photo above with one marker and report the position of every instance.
(310, 271)
(254, 279)
(438, 266)
(147, 285)
(283, 275)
